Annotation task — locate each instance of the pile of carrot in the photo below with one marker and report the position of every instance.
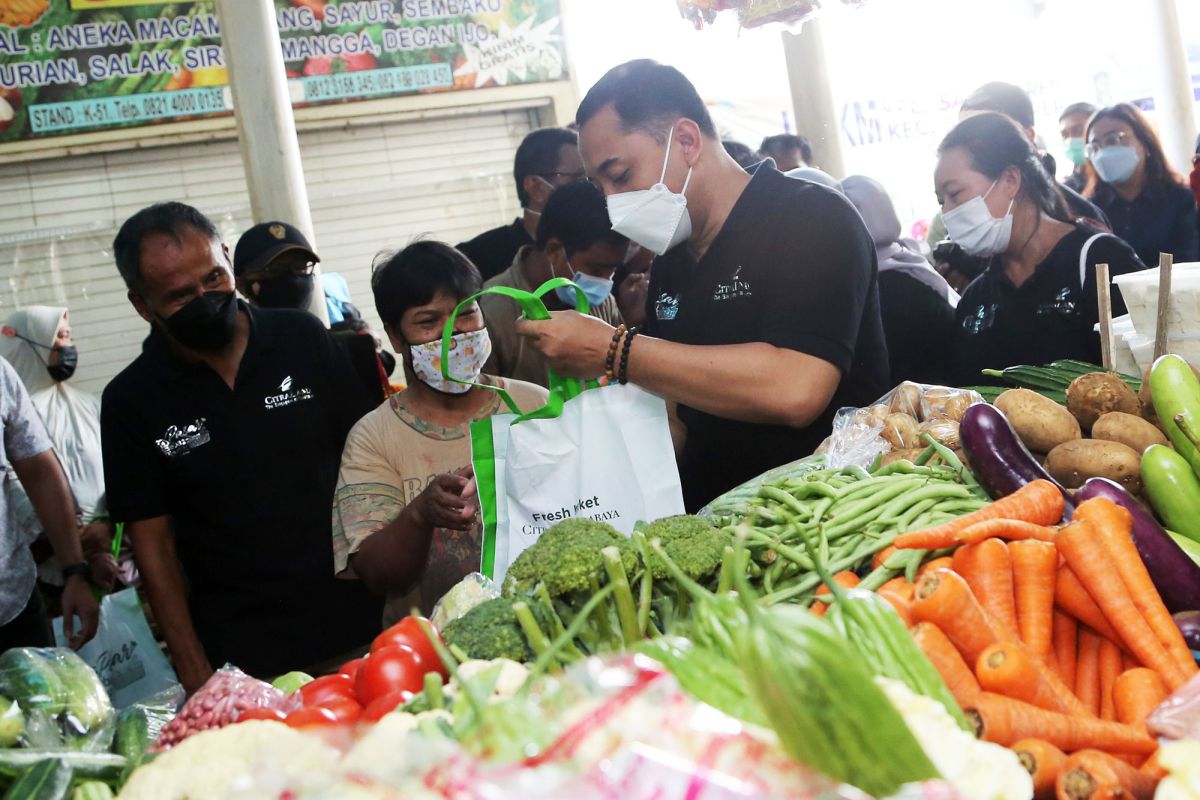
(1053, 639)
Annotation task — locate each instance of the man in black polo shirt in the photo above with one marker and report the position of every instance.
(765, 306)
(547, 159)
(221, 449)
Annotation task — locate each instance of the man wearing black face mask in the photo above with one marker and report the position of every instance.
(221, 447)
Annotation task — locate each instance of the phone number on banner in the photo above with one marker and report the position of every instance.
(367, 83)
(54, 117)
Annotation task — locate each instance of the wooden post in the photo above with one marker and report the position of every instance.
(1104, 304)
(1162, 323)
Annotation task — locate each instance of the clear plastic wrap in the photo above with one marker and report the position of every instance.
(61, 702)
(893, 427)
(1179, 715)
(225, 695)
(471, 591)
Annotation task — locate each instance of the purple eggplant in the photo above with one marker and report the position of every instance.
(1188, 623)
(1001, 462)
(1175, 575)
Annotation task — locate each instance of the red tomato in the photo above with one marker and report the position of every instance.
(311, 717)
(273, 714)
(387, 670)
(344, 708)
(409, 631)
(330, 687)
(382, 706)
(350, 668)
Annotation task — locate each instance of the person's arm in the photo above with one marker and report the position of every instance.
(391, 560)
(45, 483)
(154, 550)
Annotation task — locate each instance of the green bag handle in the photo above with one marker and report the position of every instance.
(561, 389)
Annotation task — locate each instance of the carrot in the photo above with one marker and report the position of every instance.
(1110, 669)
(847, 580)
(1005, 721)
(1092, 775)
(1005, 668)
(1153, 767)
(1039, 502)
(1043, 760)
(1065, 642)
(987, 569)
(1013, 530)
(900, 602)
(1136, 693)
(1034, 567)
(946, 660)
(1114, 524)
(944, 562)
(1071, 597)
(1087, 670)
(1089, 559)
(882, 556)
(944, 599)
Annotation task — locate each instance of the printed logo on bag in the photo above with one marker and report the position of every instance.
(120, 667)
(179, 440)
(583, 508)
(735, 288)
(666, 307)
(287, 396)
(1061, 304)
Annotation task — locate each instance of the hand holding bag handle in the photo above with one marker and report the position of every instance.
(561, 389)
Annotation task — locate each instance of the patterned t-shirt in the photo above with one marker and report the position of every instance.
(24, 436)
(389, 459)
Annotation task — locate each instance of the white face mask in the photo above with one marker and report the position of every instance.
(656, 218)
(468, 352)
(973, 228)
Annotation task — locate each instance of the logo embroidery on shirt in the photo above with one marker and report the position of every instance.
(180, 440)
(982, 318)
(666, 307)
(735, 288)
(1061, 304)
(287, 395)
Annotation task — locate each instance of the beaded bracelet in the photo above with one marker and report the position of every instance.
(610, 362)
(623, 374)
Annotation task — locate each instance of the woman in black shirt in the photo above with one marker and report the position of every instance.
(1036, 301)
(1148, 204)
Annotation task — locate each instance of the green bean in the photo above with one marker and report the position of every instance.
(856, 471)
(914, 563)
(926, 454)
(783, 498)
(877, 578)
(812, 581)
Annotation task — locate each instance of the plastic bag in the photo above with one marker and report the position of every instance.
(1179, 715)
(471, 591)
(218, 703)
(124, 652)
(893, 426)
(61, 700)
(733, 502)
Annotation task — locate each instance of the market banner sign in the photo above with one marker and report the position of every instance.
(71, 66)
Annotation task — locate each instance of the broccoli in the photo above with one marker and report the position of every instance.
(566, 558)
(489, 631)
(692, 543)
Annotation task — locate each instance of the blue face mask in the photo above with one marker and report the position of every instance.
(596, 290)
(1115, 164)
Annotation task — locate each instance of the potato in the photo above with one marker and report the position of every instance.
(1072, 463)
(906, 399)
(1041, 423)
(879, 412)
(1091, 396)
(901, 432)
(909, 454)
(940, 402)
(943, 431)
(1129, 430)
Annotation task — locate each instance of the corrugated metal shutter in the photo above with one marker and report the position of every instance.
(372, 187)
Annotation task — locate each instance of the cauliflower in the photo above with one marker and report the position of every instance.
(206, 765)
(978, 770)
(462, 597)
(511, 678)
(393, 750)
(1182, 762)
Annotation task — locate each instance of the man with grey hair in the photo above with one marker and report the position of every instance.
(221, 449)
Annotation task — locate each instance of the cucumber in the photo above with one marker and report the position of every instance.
(86, 698)
(96, 766)
(30, 678)
(48, 779)
(1031, 377)
(132, 740)
(92, 790)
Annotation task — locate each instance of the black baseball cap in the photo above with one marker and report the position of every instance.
(262, 243)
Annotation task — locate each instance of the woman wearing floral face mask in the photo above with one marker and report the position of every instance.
(1148, 203)
(404, 513)
(1036, 301)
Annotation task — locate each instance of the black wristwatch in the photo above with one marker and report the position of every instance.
(81, 568)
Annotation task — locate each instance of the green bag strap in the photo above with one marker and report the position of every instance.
(561, 389)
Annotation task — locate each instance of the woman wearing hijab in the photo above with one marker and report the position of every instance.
(36, 340)
(915, 302)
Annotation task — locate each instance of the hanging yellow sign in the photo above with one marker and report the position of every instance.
(81, 5)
